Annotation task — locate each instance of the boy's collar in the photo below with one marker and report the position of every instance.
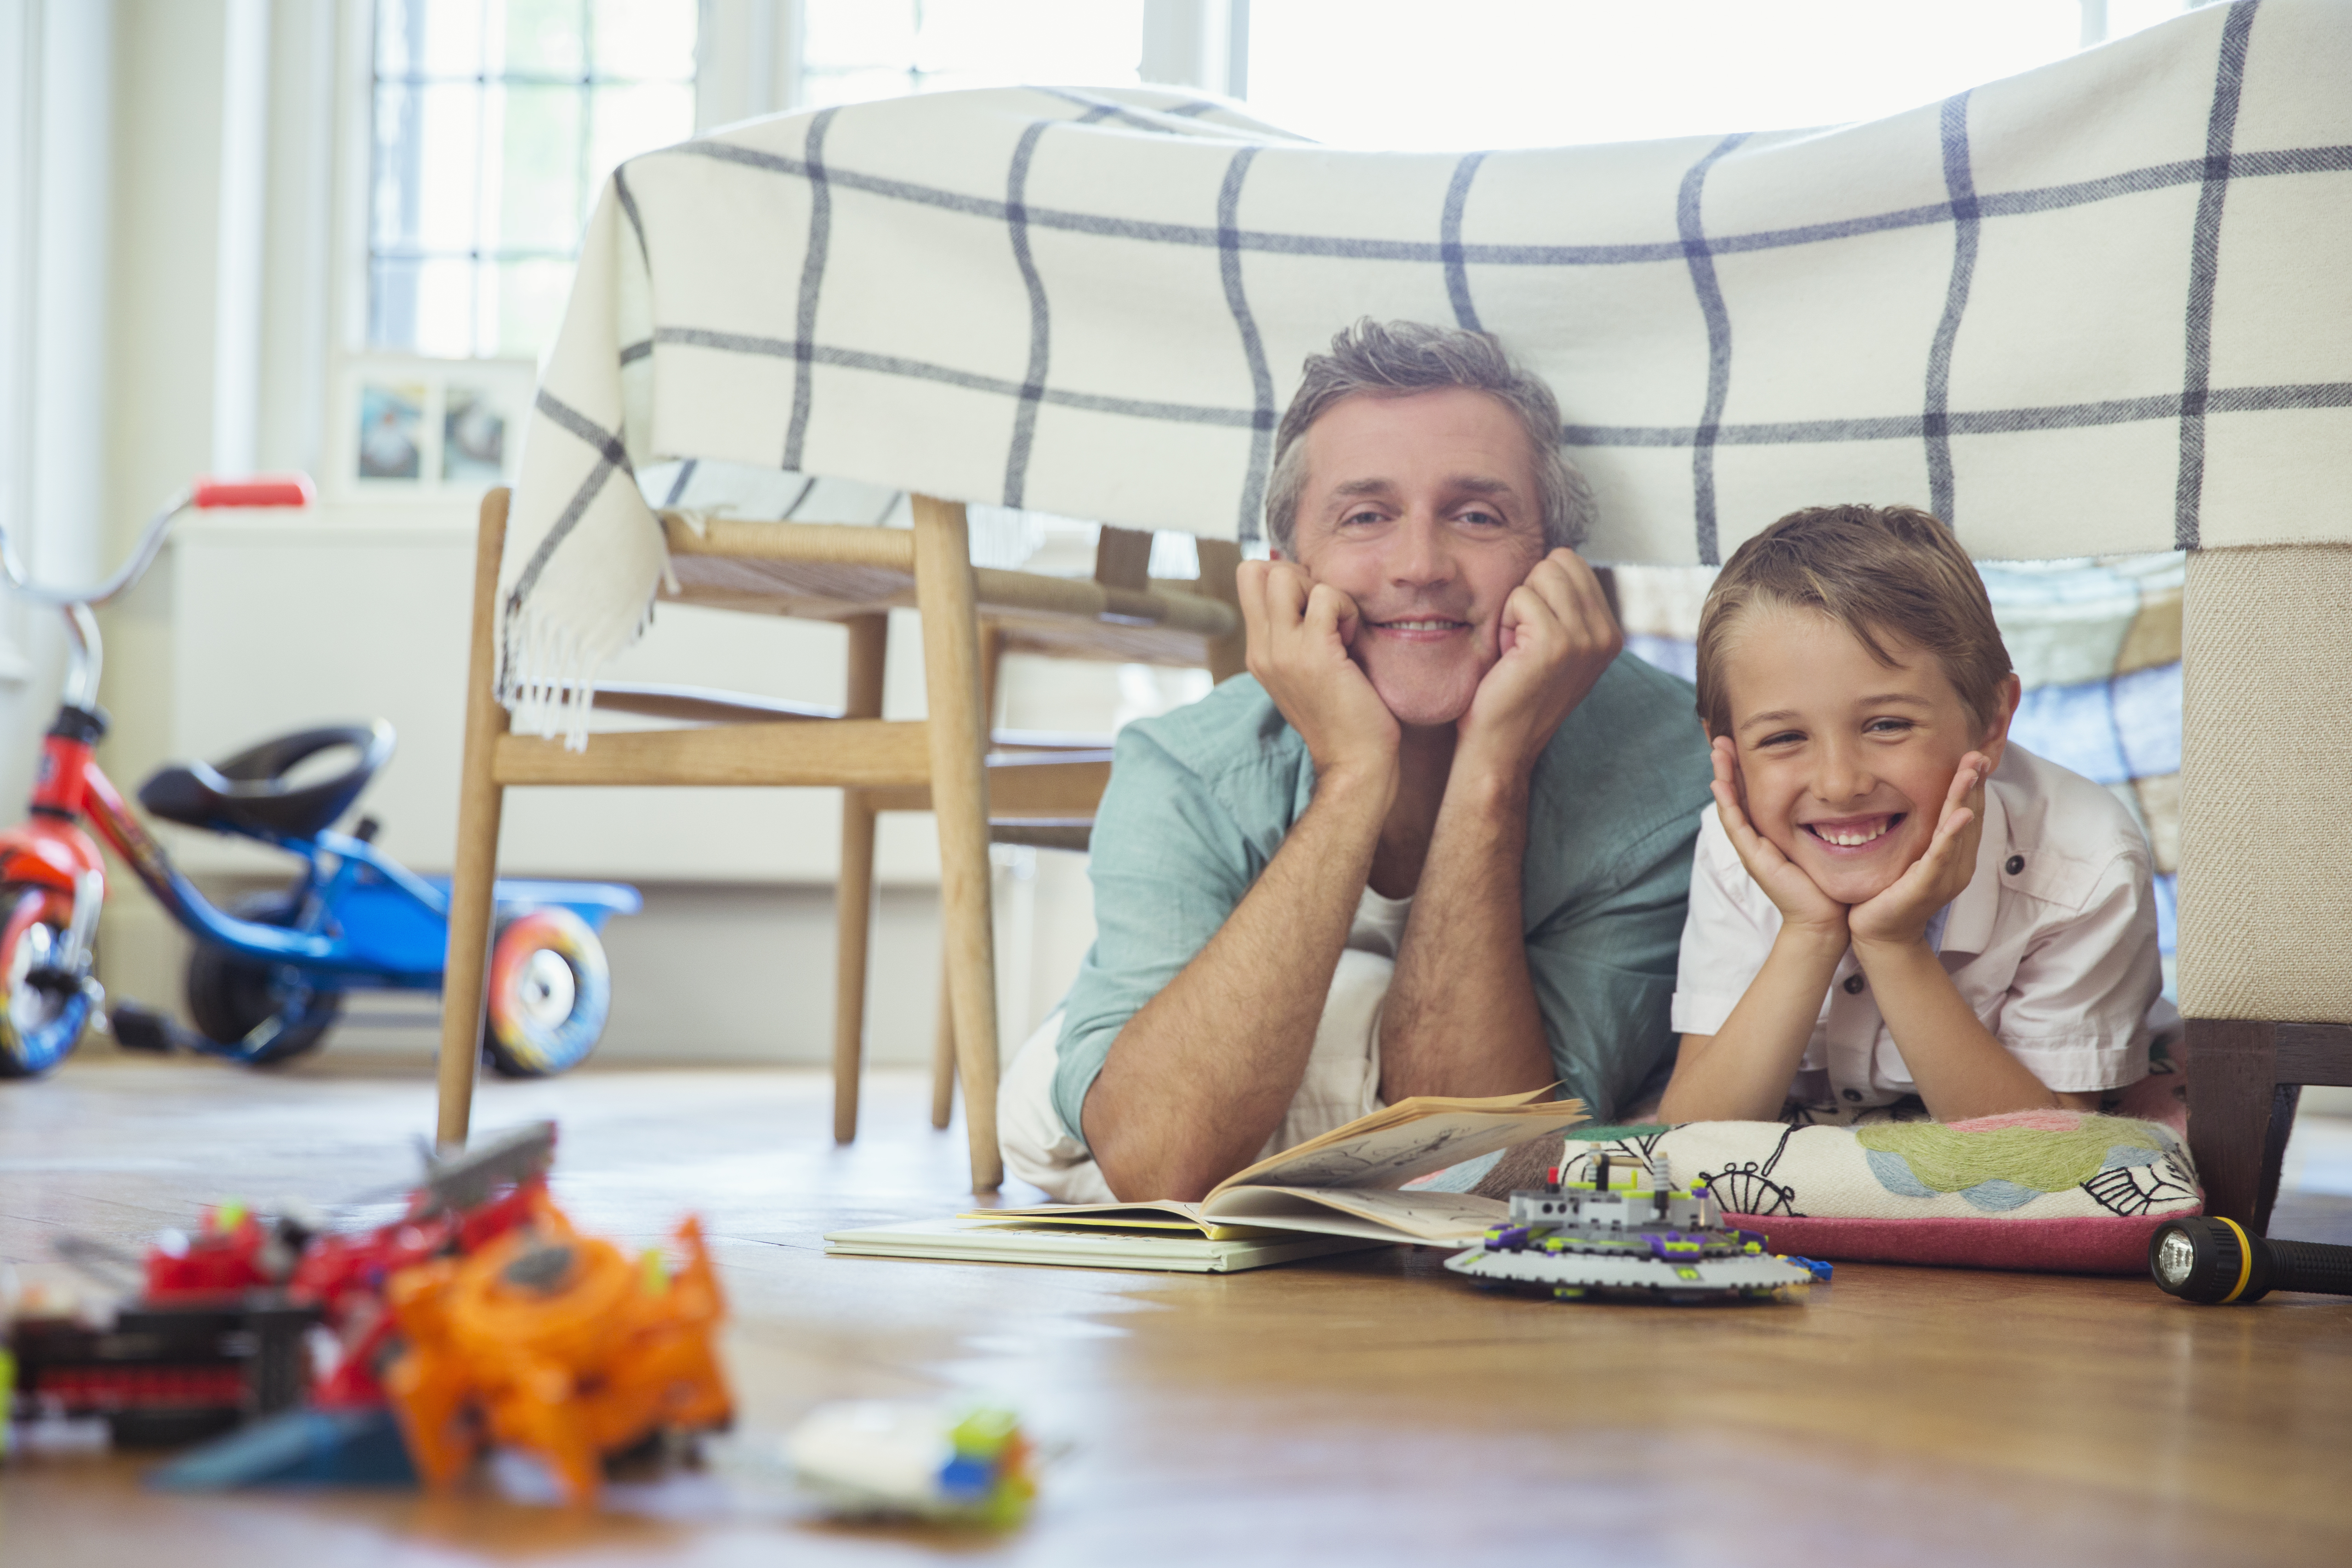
(1970, 929)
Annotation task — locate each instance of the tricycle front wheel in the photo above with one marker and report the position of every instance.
(549, 993)
(39, 1025)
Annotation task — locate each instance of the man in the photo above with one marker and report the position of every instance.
(1437, 842)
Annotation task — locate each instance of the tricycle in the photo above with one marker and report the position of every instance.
(268, 977)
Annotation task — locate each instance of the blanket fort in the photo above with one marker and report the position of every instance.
(2105, 306)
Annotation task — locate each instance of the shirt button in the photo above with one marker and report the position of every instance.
(1852, 1093)
(1853, 984)
(2016, 864)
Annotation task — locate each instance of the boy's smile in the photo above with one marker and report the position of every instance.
(1845, 762)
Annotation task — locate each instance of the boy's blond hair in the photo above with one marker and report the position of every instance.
(1880, 572)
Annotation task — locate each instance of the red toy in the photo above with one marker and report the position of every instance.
(466, 1202)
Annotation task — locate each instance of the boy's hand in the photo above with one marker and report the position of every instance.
(1298, 633)
(1558, 638)
(1803, 906)
(1899, 916)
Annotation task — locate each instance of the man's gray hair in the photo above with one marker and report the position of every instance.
(1391, 359)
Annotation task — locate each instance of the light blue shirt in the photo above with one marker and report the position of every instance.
(1200, 800)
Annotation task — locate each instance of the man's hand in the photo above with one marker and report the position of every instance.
(1803, 906)
(1899, 916)
(1557, 637)
(1299, 632)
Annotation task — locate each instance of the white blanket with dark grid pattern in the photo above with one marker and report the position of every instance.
(2105, 306)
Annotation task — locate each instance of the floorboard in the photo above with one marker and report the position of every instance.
(1366, 1407)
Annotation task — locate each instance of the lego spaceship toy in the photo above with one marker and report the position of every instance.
(1601, 1239)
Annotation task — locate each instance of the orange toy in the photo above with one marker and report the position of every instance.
(554, 1343)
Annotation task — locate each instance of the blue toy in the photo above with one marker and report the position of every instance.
(268, 978)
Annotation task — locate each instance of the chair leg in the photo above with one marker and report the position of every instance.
(480, 805)
(958, 733)
(943, 1064)
(2232, 1079)
(853, 921)
(943, 1068)
(870, 646)
(1221, 559)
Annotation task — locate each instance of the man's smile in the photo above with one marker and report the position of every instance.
(1853, 833)
(1420, 628)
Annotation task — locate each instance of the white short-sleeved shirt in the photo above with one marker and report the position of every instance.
(2051, 944)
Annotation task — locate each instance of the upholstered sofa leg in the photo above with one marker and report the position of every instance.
(2232, 1070)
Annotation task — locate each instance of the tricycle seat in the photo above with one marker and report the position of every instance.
(253, 792)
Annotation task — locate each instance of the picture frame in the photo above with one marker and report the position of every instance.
(404, 427)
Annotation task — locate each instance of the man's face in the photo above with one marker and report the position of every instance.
(1423, 509)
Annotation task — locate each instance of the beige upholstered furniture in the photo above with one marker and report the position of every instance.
(2266, 854)
(944, 762)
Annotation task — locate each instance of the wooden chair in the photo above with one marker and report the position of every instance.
(943, 762)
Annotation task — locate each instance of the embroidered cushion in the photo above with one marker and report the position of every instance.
(2057, 1190)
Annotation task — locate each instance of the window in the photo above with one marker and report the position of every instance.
(1540, 73)
(857, 51)
(496, 123)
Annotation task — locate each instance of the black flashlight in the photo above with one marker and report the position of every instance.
(2215, 1261)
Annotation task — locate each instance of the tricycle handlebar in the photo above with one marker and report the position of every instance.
(83, 666)
(264, 489)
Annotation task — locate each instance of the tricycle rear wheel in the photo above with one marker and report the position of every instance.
(39, 1025)
(549, 993)
(229, 995)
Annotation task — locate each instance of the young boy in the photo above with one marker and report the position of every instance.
(1889, 898)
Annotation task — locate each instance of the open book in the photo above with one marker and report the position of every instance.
(1348, 1182)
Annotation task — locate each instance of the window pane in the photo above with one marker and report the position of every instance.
(449, 156)
(843, 34)
(399, 36)
(643, 38)
(633, 120)
(426, 306)
(1527, 73)
(822, 90)
(539, 170)
(428, 155)
(530, 296)
(393, 215)
(428, 38)
(858, 50)
(543, 37)
(495, 123)
(1094, 42)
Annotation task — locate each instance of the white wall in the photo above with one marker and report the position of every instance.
(55, 96)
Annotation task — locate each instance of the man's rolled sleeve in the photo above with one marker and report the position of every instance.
(1170, 865)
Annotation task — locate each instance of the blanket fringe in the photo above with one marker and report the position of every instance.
(547, 673)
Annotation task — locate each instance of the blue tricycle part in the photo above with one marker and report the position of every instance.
(594, 903)
(371, 921)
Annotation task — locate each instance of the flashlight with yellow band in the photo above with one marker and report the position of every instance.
(2217, 1262)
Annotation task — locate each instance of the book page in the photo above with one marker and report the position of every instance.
(1381, 1215)
(1083, 1217)
(1379, 1152)
(1167, 1212)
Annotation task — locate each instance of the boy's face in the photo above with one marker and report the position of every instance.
(1423, 509)
(1843, 762)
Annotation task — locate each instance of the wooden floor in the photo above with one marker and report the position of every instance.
(1357, 1409)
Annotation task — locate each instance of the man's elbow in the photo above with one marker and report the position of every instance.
(1138, 1176)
